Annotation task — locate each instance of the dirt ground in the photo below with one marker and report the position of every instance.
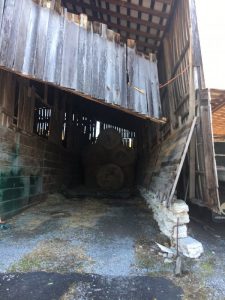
(94, 248)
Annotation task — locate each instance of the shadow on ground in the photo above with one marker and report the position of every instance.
(49, 286)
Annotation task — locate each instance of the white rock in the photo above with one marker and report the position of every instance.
(182, 232)
(190, 247)
(179, 206)
(168, 261)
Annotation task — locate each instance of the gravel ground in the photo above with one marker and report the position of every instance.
(113, 238)
(211, 266)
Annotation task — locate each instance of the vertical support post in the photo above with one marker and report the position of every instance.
(169, 74)
(211, 187)
(192, 168)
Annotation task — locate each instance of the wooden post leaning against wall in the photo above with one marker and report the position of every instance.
(196, 81)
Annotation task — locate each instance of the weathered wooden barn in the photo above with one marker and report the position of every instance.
(69, 69)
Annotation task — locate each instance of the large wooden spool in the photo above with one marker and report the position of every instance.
(109, 138)
(129, 176)
(123, 156)
(110, 177)
(94, 154)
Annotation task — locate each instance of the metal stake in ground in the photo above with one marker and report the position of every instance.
(178, 265)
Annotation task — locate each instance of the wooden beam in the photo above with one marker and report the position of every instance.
(146, 45)
(192, 167)
(139, 8)
(133, 31)
(183, 53)
(169, 2)
(121, 16)
(87, 97)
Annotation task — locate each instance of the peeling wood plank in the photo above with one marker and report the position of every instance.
(14, 33)
(22, 35)
(80, 57)
(6, 27)
(40, 52)
(53, 37)
(2, 5)
(70, 55)
(31, 39)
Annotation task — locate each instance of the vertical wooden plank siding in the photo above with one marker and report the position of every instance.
(76, 54)
(41, 45)
(2, 5)
(6, 27)
(175, 54)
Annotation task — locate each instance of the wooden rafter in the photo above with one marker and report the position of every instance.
(139, 8)
(131, 23)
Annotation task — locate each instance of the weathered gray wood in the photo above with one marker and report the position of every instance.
(7, 24)
(170, 160)
(70, 57)
(130, 74)
(208, 150)
(14, 33)
(52, 45)
(116, 86)
(88, 68)
(22, 35)
(39, 60)
(123, 77)
(31, 38)
(2, 4)
(192, 167)
(141, 94)
(87, 58)
(155, 99)
(184, 153)
(111, 66)
(59, 51)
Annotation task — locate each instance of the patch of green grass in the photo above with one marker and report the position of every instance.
(26, 264)
(145, 262)
(152, 263)
(207, 265)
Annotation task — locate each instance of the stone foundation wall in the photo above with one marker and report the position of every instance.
(173, 220)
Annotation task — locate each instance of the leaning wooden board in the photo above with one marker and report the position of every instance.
(170, 161)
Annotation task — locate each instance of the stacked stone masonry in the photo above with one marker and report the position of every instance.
(168, 218)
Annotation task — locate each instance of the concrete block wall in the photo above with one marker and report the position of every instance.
(30, 167)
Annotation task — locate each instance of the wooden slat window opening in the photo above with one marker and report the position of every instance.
(42, 116)
(64, 131)
(90, 129)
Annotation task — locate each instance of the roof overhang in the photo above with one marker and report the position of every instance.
(144, 21)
